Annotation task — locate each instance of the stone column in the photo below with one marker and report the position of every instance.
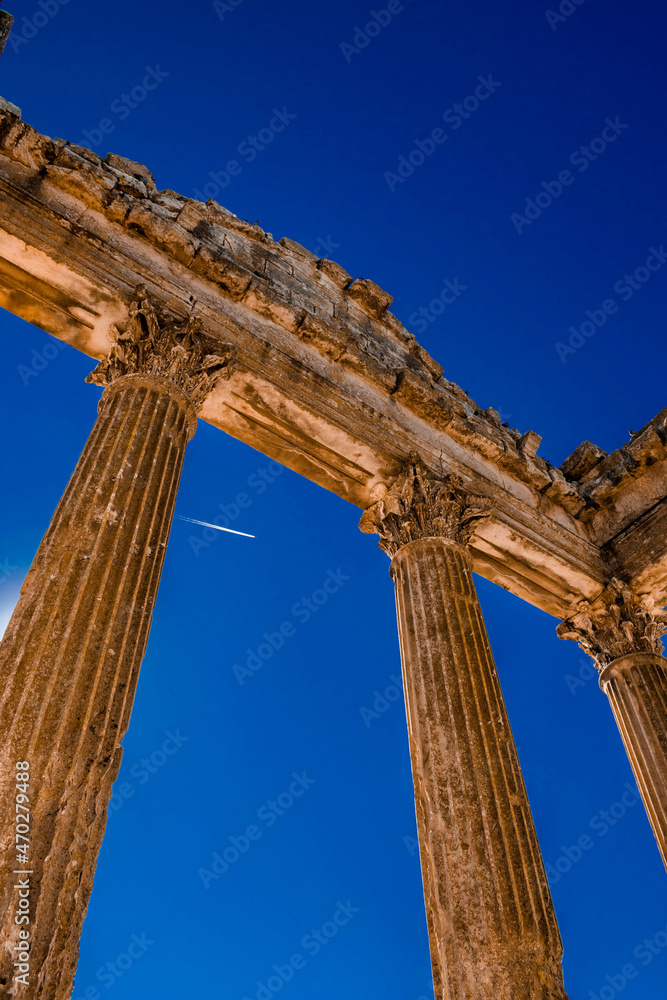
(492, 927)
(70, 657)
(6, 21)
(622, 633)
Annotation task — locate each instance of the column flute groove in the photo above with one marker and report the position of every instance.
(492, 928)
(70, 658)
(44, 599)
(622, 632)
(99, 802)
(116, 562)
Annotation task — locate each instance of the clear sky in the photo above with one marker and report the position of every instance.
(354, 103)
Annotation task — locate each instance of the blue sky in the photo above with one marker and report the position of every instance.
(328, 178)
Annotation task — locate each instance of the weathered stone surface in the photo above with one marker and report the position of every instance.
(133, 169)
(420, 505)
(327, 353)
(528, 444)
(617, 624)
(370, 297)
(309, 366)
(71, 654)
(582, 460)
(299, 250)
(338, 275)
(418, 397)
(69, 664)
(491, 921)
(178, 351)
(623, 633)
(6, 21)
(636, 685)
(7, 106)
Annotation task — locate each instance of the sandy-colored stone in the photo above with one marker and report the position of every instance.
(327, 381)
(10, 108)
(71, 654)
(637, 689)
(319, 350)
(491, 921)
(6, 22)
(623, 633)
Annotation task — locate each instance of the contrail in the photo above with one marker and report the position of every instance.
(217, 527)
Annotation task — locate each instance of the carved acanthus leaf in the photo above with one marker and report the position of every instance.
(173, 349)
(616, 624)
(420, 504)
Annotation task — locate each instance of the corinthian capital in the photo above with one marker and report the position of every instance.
(422, 505)
(173, 349)
(616, 624)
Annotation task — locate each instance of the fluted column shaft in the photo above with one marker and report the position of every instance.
(636, 685)
(622, 632)
(492, 926)
(69, 663)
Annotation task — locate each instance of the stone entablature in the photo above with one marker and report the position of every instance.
(328, 381)
(188, 309)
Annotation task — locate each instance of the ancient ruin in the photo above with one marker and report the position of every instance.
(189, 311)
